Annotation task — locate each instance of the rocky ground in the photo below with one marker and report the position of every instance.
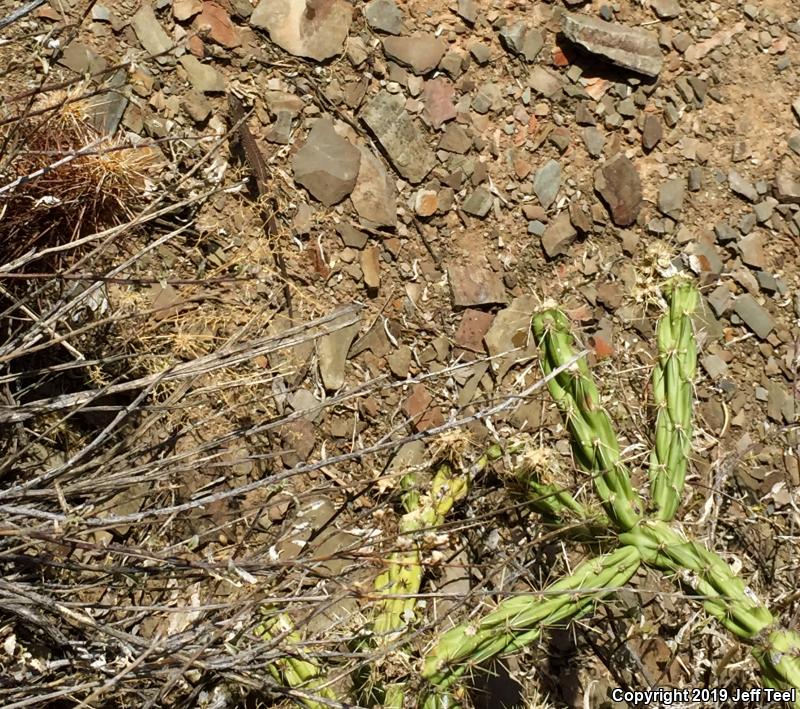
(436, 171)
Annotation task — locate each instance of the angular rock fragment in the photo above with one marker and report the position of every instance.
(754, 315)
(787, 189)
(305, 28)
(438, 95)
(558, 235)
(332, 352)
(546, 182)
(455, 140)
(203, 77)
(519, 39)
(371, 268)
(508, 339)
(421, 52)
(670, 197)
(403, 141)
(327, 165)
(617, 182)
(742, 187)
(420, 409)
(384, 16)
(150, 33)
(478, 203)
(468, 11)
(651, 132)
(216, 24)
(628, 47)
(374, 196)
(475, 286)
(666, 9)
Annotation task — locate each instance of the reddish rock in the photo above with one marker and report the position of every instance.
(420, 409)
(438, 95)
(474, 325)
(426, 202)
(617, 182)
(475, 286)
(216, 24)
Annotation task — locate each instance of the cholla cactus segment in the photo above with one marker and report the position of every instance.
(520, 620)
(778, 654)
(594, 442)
(673, 395)
(725, 595)
(295, 671)
(402, 578)
(435, 699)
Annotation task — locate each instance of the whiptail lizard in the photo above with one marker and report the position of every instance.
(261, 175)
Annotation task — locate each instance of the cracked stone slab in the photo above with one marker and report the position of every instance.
(401, 138)
(628, 47)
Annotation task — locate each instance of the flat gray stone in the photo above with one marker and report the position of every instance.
(754, 315)
(715, 366)
(421, 52)
(384, 16)
(666, 9)
(670, 197)
(595, 141)
(544, 81)
(739, 185)
(455, 139)
(82, 59)
(617, 181)
(478, 203)
(151, 34)
(547, 182)
(332, 353)
(787, 189)
(468, 11)
(521, 40)
(203, 77)
(751, 249)
(374, 196)
(318, 32)
(404, 143)
(652, 131)
(558, 235)
(796, 108)
(628, 47)
(327, 165)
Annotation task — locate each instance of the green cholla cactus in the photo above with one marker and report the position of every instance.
(295, 671)
(521, 620)
(673, 393)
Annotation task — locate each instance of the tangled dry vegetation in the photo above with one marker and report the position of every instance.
(162, 542)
